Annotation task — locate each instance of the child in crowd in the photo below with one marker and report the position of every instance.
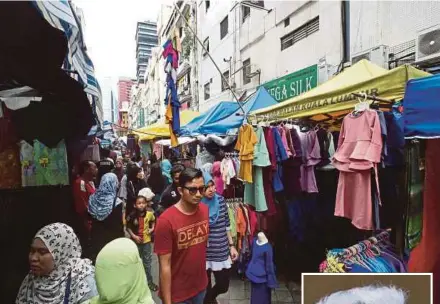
(140, 226)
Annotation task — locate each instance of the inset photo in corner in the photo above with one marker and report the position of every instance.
(377, 288)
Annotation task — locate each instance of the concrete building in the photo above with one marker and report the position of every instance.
(146, 39)
(392, 33)
(107, 99)
(124, 86)
(287, 46)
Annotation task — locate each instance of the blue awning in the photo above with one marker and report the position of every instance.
(422, 108)
(227, 116)
(61, 15)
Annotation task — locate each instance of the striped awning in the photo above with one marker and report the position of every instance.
(61, 15)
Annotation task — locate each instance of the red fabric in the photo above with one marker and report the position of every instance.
(426, 256)
(268, 172)
(81, 193)
(10, 168)
(185, 237)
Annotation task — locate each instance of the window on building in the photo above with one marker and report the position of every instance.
(224, 27)
(246, 71)
(300, 33)
(287, 22)
(206, 45)
(207, 90)
(207, 4)
(225, 83)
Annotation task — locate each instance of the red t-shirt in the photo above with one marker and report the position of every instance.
(185, 237)
(81, 192)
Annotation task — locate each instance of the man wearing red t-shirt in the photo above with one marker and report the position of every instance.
(180, 242)
(83, 187)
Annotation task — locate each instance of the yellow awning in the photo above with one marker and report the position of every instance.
(161, 129)
(333, 98)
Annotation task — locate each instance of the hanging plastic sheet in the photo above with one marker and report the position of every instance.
(422, 108)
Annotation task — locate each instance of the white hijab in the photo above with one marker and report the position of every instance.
(367, 295)
(64, 246)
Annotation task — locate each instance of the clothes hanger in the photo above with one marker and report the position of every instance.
(362, 105)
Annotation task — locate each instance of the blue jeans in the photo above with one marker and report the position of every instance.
(197, 299)
(145, 251)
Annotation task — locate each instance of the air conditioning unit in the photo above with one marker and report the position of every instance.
(428, 44)
(377, 55)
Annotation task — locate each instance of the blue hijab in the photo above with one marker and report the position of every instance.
(102, 201)
(213, 203)
(166, 166)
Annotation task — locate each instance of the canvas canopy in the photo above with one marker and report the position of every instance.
(334, 97)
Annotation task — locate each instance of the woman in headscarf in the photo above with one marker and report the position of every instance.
(105, 208)
(57, 274)
(119, 168)
(135, 182)
(166, 170)
(120, 275)
(157, 182)
(220, 252)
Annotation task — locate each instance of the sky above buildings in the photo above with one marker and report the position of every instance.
(110, 28)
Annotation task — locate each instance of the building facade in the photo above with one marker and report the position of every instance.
(124, 86)
(146, 40)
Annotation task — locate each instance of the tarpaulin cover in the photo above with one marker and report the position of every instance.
(161, 129)
(333, 97)
(422, 108)
(234, 120)
(214, 114)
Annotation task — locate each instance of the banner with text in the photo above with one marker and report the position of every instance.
(293, 84)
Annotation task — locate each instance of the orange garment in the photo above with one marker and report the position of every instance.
(241, 227)
(169, 121)
(247, 138)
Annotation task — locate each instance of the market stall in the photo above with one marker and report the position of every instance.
(422, 131)
(309, 194)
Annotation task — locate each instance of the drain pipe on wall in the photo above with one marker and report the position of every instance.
(345, 19)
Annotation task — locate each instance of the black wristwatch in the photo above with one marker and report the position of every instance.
(231, 245)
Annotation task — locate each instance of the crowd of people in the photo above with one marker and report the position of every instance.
(127, 211)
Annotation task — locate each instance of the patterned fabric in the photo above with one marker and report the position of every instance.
(28, 169)
(10, 168)
(64, 246)
(101, 203)
(51, 164)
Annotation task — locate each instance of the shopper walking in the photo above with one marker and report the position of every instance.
(57, 272)
(119, 168)
(120, 276)
(156, 182)
(180, 243)
(171, 195)
(105, 209)
(140, 227)
(135, 182)
(220, 252)
(166, 170)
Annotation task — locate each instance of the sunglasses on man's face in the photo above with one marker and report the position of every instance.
(194, 190)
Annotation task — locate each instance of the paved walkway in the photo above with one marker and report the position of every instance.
(240, 291)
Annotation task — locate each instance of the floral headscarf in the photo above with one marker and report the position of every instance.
(64, 246)
(101, 203)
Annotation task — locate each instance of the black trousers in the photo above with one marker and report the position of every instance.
(222, 278)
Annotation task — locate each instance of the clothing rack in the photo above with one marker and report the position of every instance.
(383, 236)
(236, 200)
(231, 154)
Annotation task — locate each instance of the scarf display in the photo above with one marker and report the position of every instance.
(65, 249)
(120, 275)
(101, 203)
(166, 169)
(213, 203)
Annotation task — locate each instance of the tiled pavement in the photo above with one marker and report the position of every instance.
(240, 291)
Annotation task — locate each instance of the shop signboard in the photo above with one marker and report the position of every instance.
(294, 84)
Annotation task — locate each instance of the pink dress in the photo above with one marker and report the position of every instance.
(218, 178)
(311, 157)
(359, 151)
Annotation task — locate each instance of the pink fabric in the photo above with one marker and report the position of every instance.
(359, 150)
(312, 157)
(218, 178)
(284, 141)
(170, 50)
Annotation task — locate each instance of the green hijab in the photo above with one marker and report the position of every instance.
(120, 275)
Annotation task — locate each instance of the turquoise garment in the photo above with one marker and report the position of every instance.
(166, 166)
(254, 193)
(213, 203)
(51, 167)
